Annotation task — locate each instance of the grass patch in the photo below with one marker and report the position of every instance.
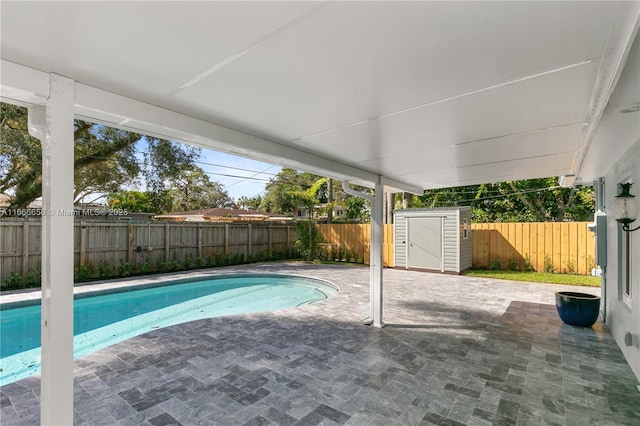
(538, 277)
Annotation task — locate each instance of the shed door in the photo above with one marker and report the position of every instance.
(424, 248)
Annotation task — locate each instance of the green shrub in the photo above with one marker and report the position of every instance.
(548, 265)
(104, 270)
(528, 266)
(308, 239)
(571, 269)
(82, 273)
(12, 282)
(513, 264)
(347, 256)
(160, 263)
(124, 268)
(176, 265)
(495, 265)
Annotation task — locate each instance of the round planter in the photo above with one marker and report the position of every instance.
(579, 309)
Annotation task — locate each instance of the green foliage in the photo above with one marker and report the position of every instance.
(192, 190)
(105, 270)
(548, 265)
(308, 239)
(251, 203)
(527, 265)
(513, 264)
(291, 189)
(176, 265)
(145, 268)
(534, 200)
(160, 264)
(495, 265)
(12, 282)
(571, 268)
(104, 158)
(356, 210)
(283, 191)
(123, 268)
(82, 273)
(164, 162)
(132, 201)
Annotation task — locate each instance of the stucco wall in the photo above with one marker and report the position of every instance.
(623, 316)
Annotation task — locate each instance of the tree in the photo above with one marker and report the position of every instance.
(192, 190)
(164, 162)
(283, 190)
(104, 158)
(132, 201)
(250, 203)
(357, 210)
(533, 200)
(283, 193)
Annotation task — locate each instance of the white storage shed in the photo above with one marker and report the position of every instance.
(433, 239)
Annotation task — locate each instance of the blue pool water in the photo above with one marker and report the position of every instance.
(104, 319)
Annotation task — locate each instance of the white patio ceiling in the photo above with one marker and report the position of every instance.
(424, 94)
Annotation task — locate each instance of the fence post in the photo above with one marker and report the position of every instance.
(269, 240)
(167, 242)
(199, 238)
(83, 243)
(226, 239)
(130, 245)
(249, 239)
(25, 248)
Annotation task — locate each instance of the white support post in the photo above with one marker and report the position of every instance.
(377, 212)
(57, 255)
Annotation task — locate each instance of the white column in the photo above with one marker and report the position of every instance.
(57, 256)
(375, 253)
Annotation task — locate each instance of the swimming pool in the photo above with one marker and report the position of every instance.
(114, 315)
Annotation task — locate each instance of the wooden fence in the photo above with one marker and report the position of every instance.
(355, 238)
(140, 243)
(561, 246)
(567, 247)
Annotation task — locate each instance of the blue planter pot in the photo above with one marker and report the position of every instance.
(580, 309)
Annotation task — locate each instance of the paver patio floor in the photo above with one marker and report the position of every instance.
(456, 350)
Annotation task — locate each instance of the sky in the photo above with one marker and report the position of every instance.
(240, 176)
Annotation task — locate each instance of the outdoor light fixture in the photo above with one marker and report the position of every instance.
(626, 207)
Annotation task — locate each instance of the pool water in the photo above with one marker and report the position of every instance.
(105, 319)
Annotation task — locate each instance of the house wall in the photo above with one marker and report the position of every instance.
(623, 316)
